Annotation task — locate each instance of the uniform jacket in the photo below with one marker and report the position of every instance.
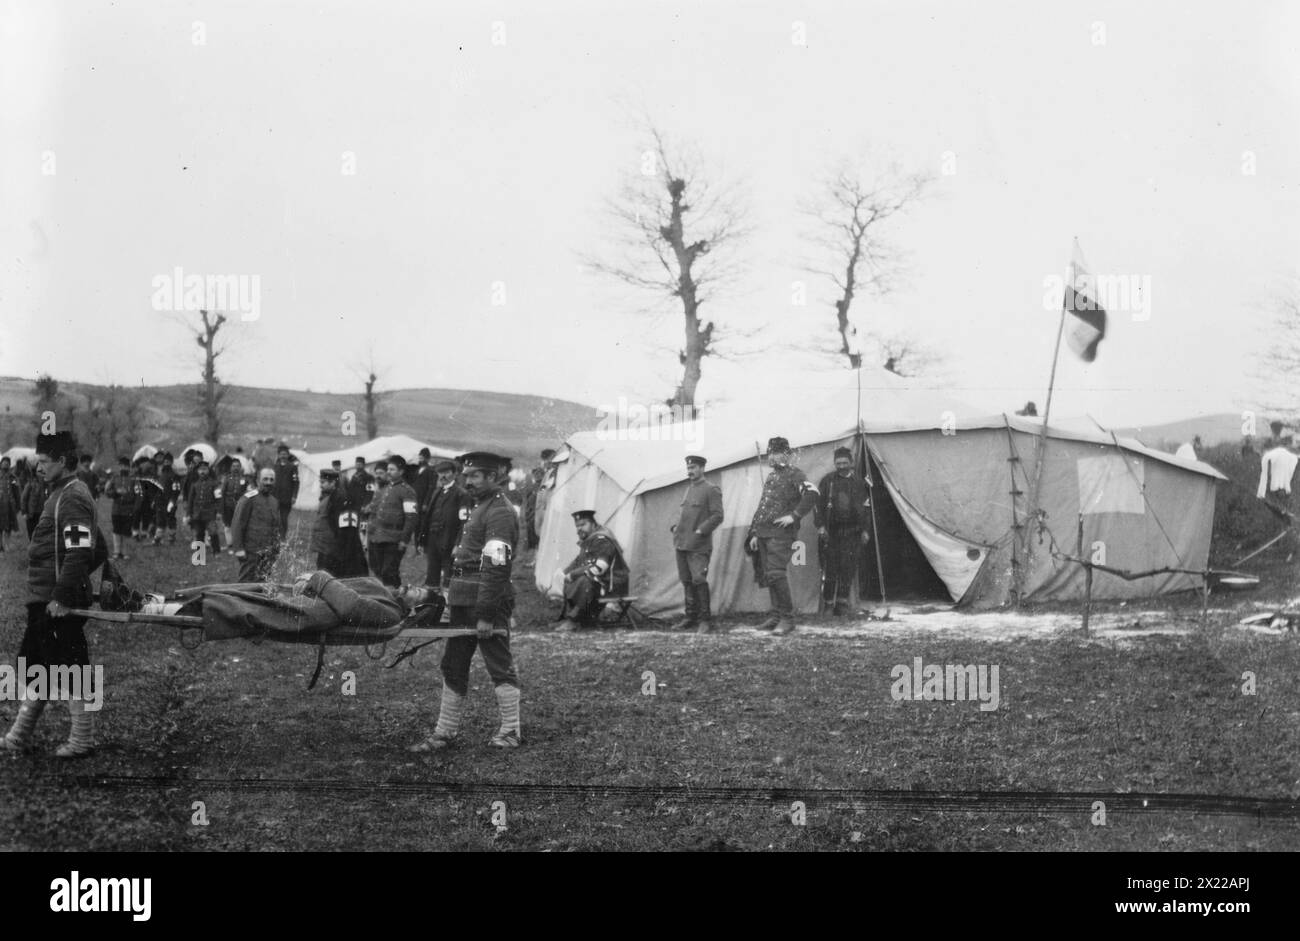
(446, 512)
(123, 490)
(59, 559)
(785, 491)
(842, 502)
(701, 515)
(286, 481)
(393, 514)
(10, 499)
(493, 517)
(361, 488)
(336, 535)
(169, 496)
(204, 503)
(146, 484)
(601, 557)
(233, 486)
(256, 525)
(33, 498)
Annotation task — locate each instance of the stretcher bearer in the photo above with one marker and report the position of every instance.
(481, 596)
(336, 538)
(393, 518)
(59, 562)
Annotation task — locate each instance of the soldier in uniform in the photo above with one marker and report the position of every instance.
(693, 541)
(167, 498)
(481, 596)
(843, 521)
(60, 560)
(421, 479)
(443, 513)
(10, 499)
(123, 490)
(787, 498)
(336, 536)
(33, 497)
(88, 476)
(146, 488)
(255, 531)
(203, 506)
(286, 486)
(598, 571)
(393, 518)
(234, 483)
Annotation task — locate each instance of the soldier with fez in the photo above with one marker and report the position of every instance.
(598, 571)
(480, 595)
(787, 498)
(66, 548)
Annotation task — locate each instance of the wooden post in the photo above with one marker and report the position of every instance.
(1087, 578)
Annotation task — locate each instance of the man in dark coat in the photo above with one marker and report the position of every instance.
(843, 515)
(286, 486)
(393, 516)
(701, 514)
(444, 512)
(336, 535)
(167, 499)
(204, 505)
(787, 498)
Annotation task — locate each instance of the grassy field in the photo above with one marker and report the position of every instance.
(741, 727)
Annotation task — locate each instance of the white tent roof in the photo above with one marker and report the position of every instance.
(378, 449)
(806, 410)
(16, 454)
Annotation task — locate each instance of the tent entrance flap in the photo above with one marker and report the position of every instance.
(909, 576)
(935, 564)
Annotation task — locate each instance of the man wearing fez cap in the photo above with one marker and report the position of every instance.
(65, 549)
(480, 595)
(598, 571)
(701, 514)
(167, 499)
(787, 498)
(444, 511)
(336, 535)
(843, 515)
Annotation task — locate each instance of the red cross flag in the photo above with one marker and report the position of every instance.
(1088, 323)
(347, 519)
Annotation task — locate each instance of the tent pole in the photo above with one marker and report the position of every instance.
(1041, 452)
(871, 505)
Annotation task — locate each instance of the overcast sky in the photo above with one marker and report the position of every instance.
(218, 137)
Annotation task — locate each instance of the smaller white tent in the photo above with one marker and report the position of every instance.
(208, 451)
(145, 450)
(17, 454)
(376, 450)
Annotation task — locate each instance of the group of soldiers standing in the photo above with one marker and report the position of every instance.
(841, 506)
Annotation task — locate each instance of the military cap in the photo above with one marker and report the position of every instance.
(425, 452)
(696, 459)
(581, 515)
(548, 453)
(336, 464)
(359, 460)
(57, 444)
(282, 447)
(444, 465)
(329, 473)
(780, 445)
(485, 460)
(124, 461)
(843, 452)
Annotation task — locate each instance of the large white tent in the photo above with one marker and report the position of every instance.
(952, 493)
(378, 449)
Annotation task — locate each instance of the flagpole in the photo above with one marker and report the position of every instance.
(1041, 449)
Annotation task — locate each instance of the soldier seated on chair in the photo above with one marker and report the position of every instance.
(598, 571)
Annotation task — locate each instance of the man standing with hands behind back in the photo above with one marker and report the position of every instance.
(701, 514)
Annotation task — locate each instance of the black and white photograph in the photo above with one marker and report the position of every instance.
(814, 427)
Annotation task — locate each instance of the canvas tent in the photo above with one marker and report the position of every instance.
(375, 450)
(16, 454)
(952, 488)
(208, 451)
(145, 450)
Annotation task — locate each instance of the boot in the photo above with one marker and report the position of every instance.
(772, 621)
(450, 709)
(19, 738)
(704, 606)
(81, 737)
(784, 605)
(508, 700)
(691, 619)
(784, 626)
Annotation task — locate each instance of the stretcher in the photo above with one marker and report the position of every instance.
(284, 614)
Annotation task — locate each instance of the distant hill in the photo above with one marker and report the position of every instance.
(516, 425)
(1213, 429)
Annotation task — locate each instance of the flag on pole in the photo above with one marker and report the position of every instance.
(1088, 323)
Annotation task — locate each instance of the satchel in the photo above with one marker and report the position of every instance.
(462, 592)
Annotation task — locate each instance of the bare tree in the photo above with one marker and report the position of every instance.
(674, 237)
(211, 392)
(372, 400)
(850, 216)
